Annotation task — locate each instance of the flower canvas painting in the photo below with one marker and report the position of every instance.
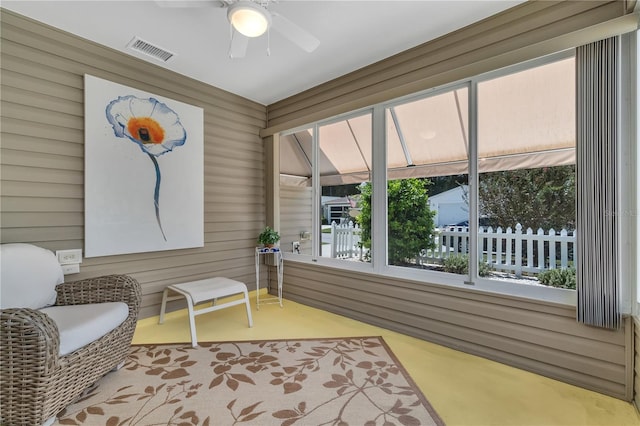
(144, 178)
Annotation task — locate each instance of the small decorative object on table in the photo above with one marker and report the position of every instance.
(268, 237)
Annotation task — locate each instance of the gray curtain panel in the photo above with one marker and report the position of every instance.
(597, 112)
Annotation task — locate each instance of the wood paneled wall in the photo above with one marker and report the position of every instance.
(537, 336)
(42, 160)
(529, 30)
(295, 217)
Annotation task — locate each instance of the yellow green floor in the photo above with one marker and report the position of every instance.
(464, 389)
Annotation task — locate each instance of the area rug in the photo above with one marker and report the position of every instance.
(341, 381)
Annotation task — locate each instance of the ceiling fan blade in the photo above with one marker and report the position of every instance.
(238, 47)
(293, 32)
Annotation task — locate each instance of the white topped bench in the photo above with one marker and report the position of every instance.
(207, 290)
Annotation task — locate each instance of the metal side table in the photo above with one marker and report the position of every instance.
(277, 256)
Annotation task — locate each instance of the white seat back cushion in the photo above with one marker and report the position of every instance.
(80, 325)
(28, 276)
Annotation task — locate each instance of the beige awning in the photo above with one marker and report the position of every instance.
(525, 120)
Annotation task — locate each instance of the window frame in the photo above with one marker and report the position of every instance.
(316, 255)
(404, 272)
(379, 265)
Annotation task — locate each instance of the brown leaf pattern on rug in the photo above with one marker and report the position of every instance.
(353, 381)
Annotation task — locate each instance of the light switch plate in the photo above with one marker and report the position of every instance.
(67, 257)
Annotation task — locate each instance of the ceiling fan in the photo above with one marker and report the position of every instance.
(251, 19)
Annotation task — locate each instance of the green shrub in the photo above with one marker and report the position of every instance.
(459, 264)
(484, 269)
(410, 221)
(561, 278)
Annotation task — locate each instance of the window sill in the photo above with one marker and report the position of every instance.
(504, 288)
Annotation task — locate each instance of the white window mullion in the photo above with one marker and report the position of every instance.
(316, 247)
(474, 248)
(379, 191)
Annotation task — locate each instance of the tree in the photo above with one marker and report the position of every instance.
(340, 190)
(536, 198)
(410, 221)
(441, 184)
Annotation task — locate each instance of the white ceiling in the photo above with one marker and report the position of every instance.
(352, 34)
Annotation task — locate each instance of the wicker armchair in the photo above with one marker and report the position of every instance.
(38, 382)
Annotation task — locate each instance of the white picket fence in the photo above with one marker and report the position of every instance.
(345, 241)
(508, 250)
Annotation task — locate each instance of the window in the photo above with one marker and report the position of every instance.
(344, 165)
(463, 172)
(342, 152)
(427, 182)
(526, 165)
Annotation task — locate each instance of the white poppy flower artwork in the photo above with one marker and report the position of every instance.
(153, 126)
(147, 122)
(131, 207)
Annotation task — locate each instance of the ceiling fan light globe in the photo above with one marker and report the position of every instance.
(249, 19)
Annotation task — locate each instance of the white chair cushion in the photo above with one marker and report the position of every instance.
(28, 276)
(80, 325)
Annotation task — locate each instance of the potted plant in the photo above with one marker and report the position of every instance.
(268, 237)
